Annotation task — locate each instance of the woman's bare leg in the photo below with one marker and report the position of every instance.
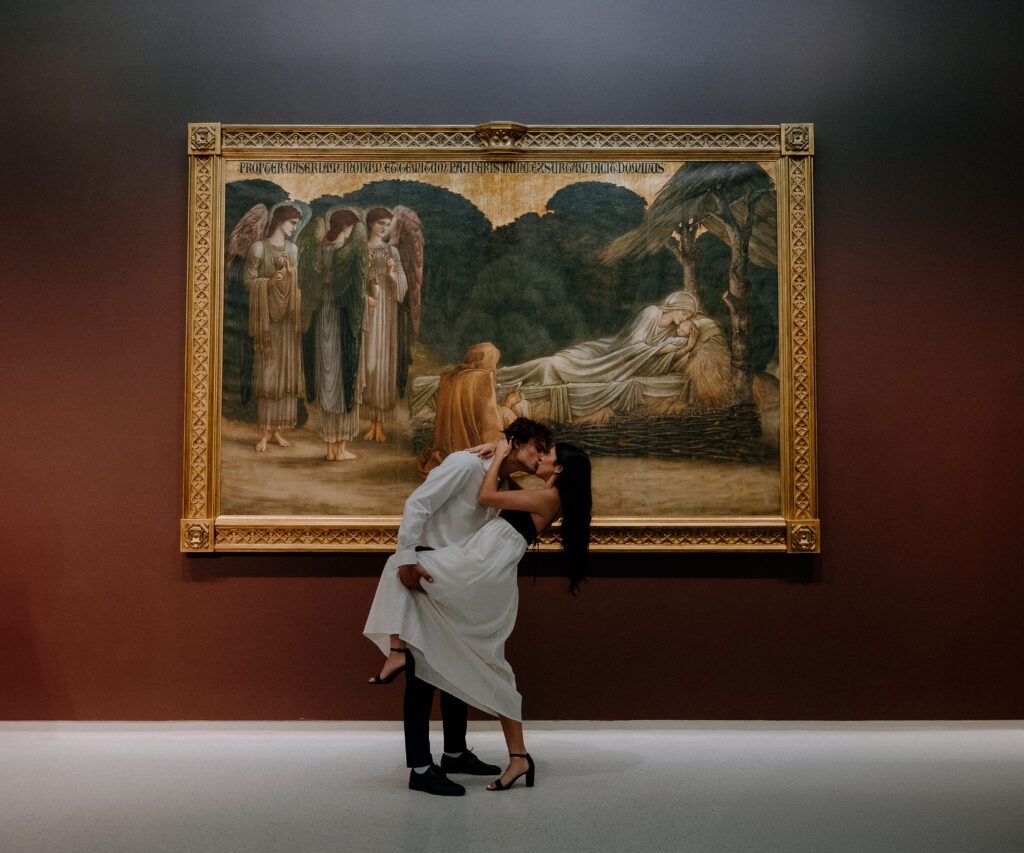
(394, 659)
(513, 731)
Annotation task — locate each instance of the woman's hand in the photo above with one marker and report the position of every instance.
(411, 574)
(501, 450)
(489, 486)
(485, 450)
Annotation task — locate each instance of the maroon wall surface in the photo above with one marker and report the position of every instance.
(913, 610)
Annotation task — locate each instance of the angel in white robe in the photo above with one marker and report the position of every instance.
(388, 287)
(275, 316)
(332, 276)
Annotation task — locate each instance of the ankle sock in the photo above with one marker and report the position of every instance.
(421, 770)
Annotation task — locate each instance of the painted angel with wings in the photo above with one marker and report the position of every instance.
(333, 262)
(394, 279)
(263, 240)
(407, 236)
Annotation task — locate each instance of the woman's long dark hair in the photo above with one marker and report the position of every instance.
(376, 214)
(283, 214)
(340, 220)
(574, 492)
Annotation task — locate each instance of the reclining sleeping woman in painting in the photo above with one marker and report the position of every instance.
(671, 339)
(450, 630)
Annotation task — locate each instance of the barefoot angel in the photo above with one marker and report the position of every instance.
(275, 314)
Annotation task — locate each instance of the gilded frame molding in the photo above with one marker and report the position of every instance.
(795, 530)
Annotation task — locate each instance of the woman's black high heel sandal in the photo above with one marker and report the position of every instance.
(529, 773)
(391, 676)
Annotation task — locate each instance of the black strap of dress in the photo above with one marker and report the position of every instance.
(522, 522)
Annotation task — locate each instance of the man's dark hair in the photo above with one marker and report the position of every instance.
(521, 430)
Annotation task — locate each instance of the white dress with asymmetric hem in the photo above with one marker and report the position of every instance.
(457, 627)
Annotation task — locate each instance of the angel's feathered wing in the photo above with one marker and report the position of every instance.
(249, 229)
(311, 268)
(311, 278)
(349, 268)
(407, 237)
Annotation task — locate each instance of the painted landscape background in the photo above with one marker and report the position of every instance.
(548, 278)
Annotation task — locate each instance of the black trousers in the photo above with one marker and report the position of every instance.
(419, 699)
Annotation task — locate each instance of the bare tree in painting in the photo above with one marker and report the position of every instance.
(736, 203)
(688, 254)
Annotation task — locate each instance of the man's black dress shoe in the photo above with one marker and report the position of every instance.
(434, 782)
(468, 763)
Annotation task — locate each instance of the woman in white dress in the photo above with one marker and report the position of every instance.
(459, 624)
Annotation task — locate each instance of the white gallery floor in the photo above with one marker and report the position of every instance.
(298, 787)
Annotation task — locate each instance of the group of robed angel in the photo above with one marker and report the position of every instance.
(348, 282)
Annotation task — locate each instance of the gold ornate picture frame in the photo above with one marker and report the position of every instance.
(540, 252)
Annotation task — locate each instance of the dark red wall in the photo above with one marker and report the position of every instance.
(913, 611)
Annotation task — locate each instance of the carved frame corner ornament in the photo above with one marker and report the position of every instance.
(797, 140)
(790, 147)
(196, 535)
(204, 139)
(804, 537)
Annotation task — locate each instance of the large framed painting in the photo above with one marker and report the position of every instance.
(363, 301)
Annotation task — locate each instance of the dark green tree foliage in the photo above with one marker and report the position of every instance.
(694, 193)
(511, 302)
(321, 205)
(240, 196)
(545, 281)
(455, 234)
(585, 217)
(713, 282)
